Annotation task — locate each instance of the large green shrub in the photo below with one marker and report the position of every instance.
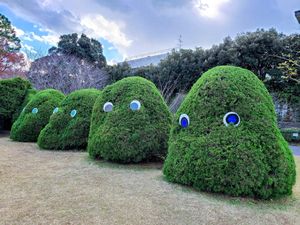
(124, 135)
(64, 132)
(251, 159)
(29, 124)
(28, 97)
(12, 95)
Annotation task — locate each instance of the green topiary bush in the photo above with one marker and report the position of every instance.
(125, 135)
(29, 124)
(12, 94)
(246, 159)
(69, 127)
(29, 95)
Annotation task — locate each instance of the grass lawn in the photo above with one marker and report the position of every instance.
(43, 187)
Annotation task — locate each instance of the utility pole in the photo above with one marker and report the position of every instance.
(180, 42)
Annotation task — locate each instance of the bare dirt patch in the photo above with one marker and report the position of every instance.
(43, 187)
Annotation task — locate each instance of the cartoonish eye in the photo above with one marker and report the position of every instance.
(55, 110)
(35, 110)
(184, 120)
(73, 113)
(135, 105)
(231, 118)
(108, 107)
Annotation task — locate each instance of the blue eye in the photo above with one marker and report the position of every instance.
(135, 105)
(231, 118)
(35, 110)
(55, 110)
(184, 120)
(73, 113)
(108, 107)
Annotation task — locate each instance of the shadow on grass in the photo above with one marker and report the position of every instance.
(284, 203)
(131, 166)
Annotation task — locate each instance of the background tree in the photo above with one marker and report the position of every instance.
(255, 50)
(11, 60)
(66, 73)
(84, 48)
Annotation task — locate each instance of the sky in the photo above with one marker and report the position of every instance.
(128, 28)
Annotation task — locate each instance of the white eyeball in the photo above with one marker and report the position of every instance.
(73, 113)
(55, 110)
(231, 118)
(108, 107)
(35, 110)
(135, 105)
(184, 120)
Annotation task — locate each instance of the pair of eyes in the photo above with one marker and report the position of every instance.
(230, 118)
(72, 113)
(134, 106)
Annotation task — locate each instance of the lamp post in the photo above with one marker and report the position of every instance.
(297, 15)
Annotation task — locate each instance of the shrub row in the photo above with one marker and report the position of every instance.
(35, 115)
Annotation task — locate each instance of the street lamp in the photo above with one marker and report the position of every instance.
(297, 15)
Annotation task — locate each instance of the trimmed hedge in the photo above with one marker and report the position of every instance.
(251, 159)
(291, 134)
(12, 95)
(29, 96)
(29, 125)
(124, 135)
(64, 132)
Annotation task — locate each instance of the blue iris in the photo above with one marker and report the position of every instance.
(184, 122)
(73, 113)
(34, 110)
(134, 106)
(232, 118)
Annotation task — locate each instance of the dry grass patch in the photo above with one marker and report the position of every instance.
(43, 187)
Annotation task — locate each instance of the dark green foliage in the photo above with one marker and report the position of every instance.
(252, 159)
(289, 134)
(83, 47)
(64, 132)
(259, 51)
(124, 135)
(29, 125)
(29, 95)
(12, 94)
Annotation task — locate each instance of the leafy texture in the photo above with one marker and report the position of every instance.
(64, 132)
(29, 125)
(124, 135)
(13, 93)
(252, 159)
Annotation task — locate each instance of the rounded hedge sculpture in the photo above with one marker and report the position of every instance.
(240, 154)
(35, 115)
(69, 126)
(13, 93)
(130, 122)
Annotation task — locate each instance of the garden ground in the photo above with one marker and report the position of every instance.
(44, 187)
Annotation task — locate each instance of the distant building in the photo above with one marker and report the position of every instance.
(147, 59)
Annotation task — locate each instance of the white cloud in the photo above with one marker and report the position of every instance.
(50, 39)
(210, 8)
(112, 62)
(99, 27)
(19, 32)
(29, 48)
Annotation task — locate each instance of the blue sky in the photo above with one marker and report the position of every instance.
(132, 27)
